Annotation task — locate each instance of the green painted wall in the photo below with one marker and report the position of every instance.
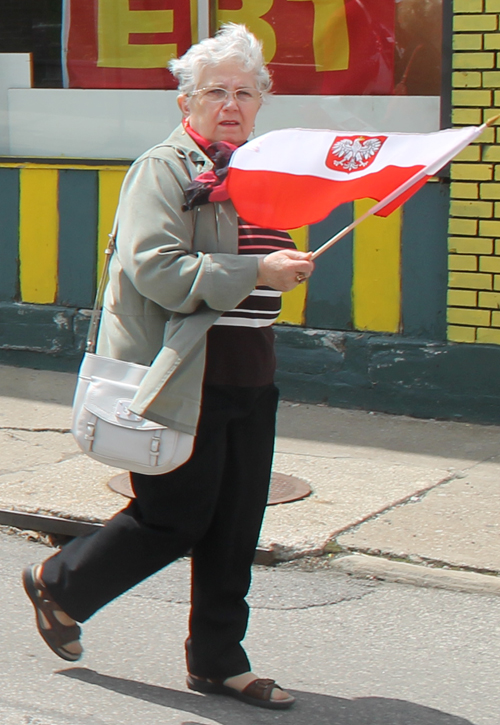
(53, 219)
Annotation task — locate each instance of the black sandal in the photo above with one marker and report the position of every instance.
(258, 693)
(58, 635)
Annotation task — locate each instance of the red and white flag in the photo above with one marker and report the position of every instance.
(293, 177)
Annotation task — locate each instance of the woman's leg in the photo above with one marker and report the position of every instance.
(222, 559)
(91, 571)
(170, 513)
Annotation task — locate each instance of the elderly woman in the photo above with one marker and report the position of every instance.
(185, 260)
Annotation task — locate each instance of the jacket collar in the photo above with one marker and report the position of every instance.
(183, 142)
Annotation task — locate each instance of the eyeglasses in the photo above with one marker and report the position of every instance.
(221, 95)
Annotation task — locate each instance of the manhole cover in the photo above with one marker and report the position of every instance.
(284, 488)
(121, 484)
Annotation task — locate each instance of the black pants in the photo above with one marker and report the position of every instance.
(212, 505)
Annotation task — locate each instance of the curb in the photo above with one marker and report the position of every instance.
(44, 524)
(360, 566)
(63, 526)
(364, 566)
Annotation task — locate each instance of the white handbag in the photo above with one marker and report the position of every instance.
(103, 426)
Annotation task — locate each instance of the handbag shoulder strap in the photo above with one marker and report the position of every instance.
(95, 317)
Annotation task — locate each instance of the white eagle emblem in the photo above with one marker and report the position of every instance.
(353, 154)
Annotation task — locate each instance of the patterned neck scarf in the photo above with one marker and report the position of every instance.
(210, 185)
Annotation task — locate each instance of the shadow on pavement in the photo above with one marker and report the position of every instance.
(311, 708)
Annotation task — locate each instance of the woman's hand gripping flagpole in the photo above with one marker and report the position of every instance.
(406, 186)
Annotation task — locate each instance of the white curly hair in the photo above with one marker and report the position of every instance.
(232, 42)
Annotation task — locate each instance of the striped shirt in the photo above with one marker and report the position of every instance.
(240, 345)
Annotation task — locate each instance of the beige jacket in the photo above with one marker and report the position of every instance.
(172, 275)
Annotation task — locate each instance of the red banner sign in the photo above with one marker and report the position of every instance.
(332, 47)
(343, 47)
(124, 43)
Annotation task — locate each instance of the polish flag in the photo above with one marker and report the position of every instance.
(293, 177)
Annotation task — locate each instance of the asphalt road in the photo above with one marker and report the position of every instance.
(353, 652)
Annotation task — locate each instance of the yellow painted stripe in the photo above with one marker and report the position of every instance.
(38, 235)
(76, 165)
(110, 182)
(377, 271)
(294, 302)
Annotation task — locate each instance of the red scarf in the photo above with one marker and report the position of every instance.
(210, 185)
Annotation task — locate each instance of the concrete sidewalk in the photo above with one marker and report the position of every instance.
(423, 492)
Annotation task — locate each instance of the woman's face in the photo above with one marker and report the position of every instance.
(227, 120)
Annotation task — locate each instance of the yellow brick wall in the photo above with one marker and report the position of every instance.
(474, 230)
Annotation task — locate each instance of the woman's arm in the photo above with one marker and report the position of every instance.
(154, 245)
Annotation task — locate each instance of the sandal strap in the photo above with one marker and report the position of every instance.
(64, 633)
(45, 601)
(260, 689)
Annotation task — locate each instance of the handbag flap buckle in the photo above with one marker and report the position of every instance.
(122, 411)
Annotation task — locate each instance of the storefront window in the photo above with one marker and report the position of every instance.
(70, 70)
(418, 47)
(34, 27)
(348, 47)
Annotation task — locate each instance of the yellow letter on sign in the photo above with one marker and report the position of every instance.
(330, 35)
(115, 22)
(250, 14)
